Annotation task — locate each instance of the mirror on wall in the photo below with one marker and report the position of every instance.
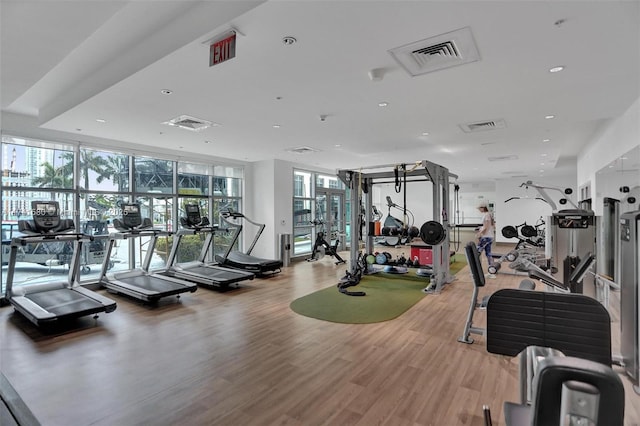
(620, 180)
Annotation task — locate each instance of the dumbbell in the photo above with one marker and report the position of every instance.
(512, 255)
(493, 269)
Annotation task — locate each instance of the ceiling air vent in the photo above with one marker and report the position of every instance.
(435, 53)
(503, 158)
(302, 150)
(483, 125)
(189, 123)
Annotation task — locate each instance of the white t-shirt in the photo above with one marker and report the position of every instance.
(487, 228)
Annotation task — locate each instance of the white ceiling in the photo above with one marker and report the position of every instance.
(69, 63)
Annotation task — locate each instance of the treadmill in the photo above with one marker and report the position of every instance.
(48, 302)
(140, 283)
(199, 271)
(245, 261)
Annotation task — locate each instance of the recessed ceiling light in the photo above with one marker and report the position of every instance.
(623, 158)
(166, 91)
(541, 171)
(546, 140)
(101, 120)
(337, 145)
(207, 141)
(557, 69)
(611, 166)
(383, 104)
(542, 164)
(549, 117)
(543, 155)
(425, 133)
(276, 126)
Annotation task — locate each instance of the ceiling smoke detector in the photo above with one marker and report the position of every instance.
(435, 53)
(189, 123)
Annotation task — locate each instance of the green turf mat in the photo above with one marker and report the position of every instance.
(388, 296)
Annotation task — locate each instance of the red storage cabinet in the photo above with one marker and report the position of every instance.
(423, 252)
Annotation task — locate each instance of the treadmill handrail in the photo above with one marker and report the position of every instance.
(234, 237)
(30, 239)
(135, 233)
(197, 230)
(236, 215)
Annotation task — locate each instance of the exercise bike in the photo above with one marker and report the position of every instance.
(321, 247)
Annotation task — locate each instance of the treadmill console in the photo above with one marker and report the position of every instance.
(193, 214)
(131, 217)
(193, 219)
(46, 215)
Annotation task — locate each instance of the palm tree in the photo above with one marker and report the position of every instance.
(117, 169)
(89, 161)
(53, 177)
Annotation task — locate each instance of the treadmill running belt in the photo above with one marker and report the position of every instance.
(153, 283)
(247, 259)
(65, 302)
(214, 275)
(218, 274)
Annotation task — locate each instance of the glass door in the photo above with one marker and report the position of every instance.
(330, 216)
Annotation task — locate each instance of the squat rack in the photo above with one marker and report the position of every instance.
(360, 184)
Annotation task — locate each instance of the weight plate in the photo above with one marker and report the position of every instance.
(432, 233)
(381, 259)
(392, 241)
(509, 232)
(528, 231)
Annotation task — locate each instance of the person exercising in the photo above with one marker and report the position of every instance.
(485, 233)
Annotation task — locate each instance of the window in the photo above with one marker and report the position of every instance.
(153, 175)
(193, 179)
(103, 171)
(44, 170)
(33, 166)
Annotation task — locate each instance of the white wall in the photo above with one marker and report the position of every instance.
(269, 200)
(259, 207)
(619, 137)
(419, 201)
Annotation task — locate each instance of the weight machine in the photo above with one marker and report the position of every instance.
(569, 230)
(432, 232)
(630, 295)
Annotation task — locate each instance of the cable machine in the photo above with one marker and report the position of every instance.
(434, 233)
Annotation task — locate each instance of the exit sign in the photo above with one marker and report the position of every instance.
(222, 50)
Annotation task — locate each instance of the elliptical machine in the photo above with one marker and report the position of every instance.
(321, 247)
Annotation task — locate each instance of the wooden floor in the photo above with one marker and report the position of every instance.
(244, 358)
